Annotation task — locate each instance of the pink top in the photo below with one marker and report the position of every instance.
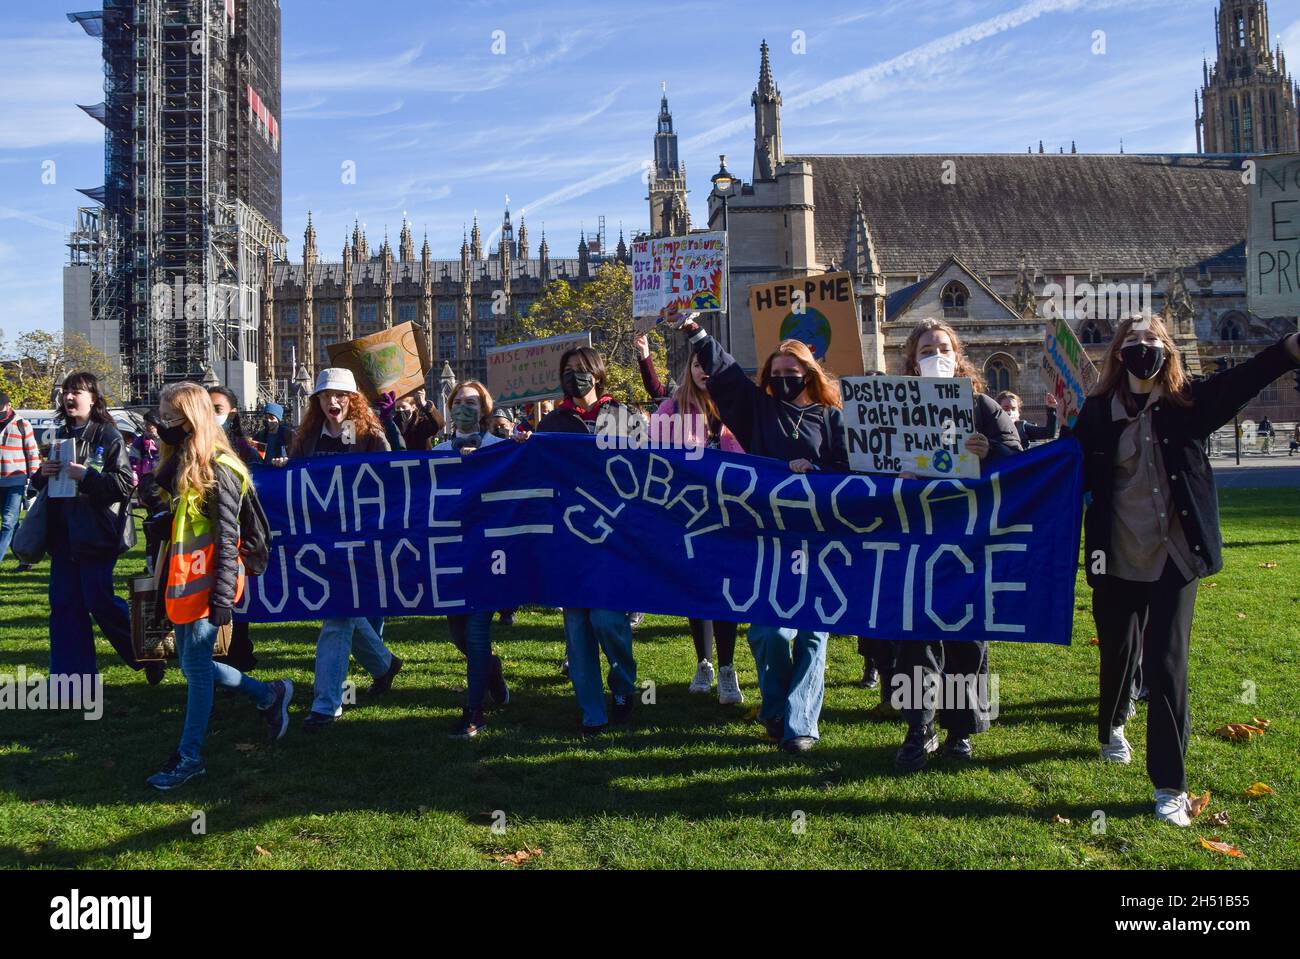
(726, 440)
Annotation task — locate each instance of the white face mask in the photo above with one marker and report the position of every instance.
(221, 420)
(940, 365)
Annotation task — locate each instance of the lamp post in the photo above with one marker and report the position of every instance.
(446, 383)
(301, 392)
(723, 184)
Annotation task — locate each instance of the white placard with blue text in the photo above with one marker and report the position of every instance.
(909, 424)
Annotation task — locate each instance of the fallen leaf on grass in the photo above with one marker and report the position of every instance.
(1239, 732)
(1060, 820)
(1241, 615)
(245, 747)
(1268, 565)
(1197, 804)
(1259, 789)
(260, 851)
(1214, 845)
(1211, 585)
(1261, 723)
(520, 857)
(1219, 819)
(1094, 641)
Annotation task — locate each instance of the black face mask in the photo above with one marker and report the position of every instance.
(577, 383)
(1143, 361)
(402, 418)
(787, 387)
(172, 435)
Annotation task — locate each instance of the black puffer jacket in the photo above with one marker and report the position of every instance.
(1182, 431)
(223, 506)
(91, 523)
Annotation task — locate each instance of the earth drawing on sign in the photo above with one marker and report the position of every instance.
(810, 327)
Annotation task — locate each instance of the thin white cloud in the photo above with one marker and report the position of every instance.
(42, 79)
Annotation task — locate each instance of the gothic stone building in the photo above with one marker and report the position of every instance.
(978, 240)
(463, 305)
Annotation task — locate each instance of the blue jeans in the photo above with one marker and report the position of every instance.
(194, 648)
(79, 592)
(476, 644)
(791, 677)
(339, 640)
(586, 633)
(11, 504)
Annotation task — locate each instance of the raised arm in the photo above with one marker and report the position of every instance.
(736, 395)
(649, 377)
(1218, 399)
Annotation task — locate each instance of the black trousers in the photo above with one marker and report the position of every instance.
(724, 637)
(958, 675)
(881, 654)
(1148, 625)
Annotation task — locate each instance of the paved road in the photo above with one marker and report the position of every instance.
(1258, 472)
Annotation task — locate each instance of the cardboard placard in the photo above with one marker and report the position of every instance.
(1273, 237)
(526, 372)
(685, 273)
(393, 360)
(820, 311)
(1066, 361)
(909, 424)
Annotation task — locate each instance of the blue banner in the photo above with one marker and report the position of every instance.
(556, 521)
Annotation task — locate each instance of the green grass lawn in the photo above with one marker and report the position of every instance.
(689, 783)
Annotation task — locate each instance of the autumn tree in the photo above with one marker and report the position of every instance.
(37, 363)
(603, 307)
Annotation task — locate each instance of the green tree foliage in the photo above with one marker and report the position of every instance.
(37, 362)
(603, 307)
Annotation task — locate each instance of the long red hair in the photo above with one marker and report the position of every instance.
(821, 386)
(360, 414)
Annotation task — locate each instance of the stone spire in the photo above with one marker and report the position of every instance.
(475, 241)
(544, 254)
(407, 248)
(1023, 297)
(309, 240)
(622, 246)
(523, 240)
(584, 256)
(861, 257)
(766, 101)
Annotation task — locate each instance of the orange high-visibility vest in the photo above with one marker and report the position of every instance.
(189, 566)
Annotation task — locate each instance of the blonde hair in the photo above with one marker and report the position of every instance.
(821, 386)
(965, 368)
(1172, 378)
(690, 398)
(196, 473)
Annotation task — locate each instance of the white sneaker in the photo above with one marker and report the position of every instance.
(1118, 749)
(703, 681)
(1173, 807)
(729, 693)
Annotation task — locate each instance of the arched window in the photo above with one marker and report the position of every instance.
(1232, 328)
(997, 375)
(1090, 334)
(954, 300)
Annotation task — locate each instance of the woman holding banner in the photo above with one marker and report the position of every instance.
(338, 420)
(202, 576)
(958, 669)
(794, 413)
(586, 408)
(702, 426)
(1152, 530)
(471, 416)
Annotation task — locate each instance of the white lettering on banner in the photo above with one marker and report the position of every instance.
(995, 525)
(435, 571)
(991, 588)
(435, 492)
(741, 500)
(776, 581)
(758, 580)
(909, 582)
(809, 502)
(830, 578)
(600, 524)
(697, 513)
(358, 500)
(397, 576)
(898, 505)
(881, 549)
(631, 472)
(929, 588)
(835, 503)
(288, 502)
(275, 609)
(324, 583)
(335, 488)
(653, 480)
(379, 570)
(352, 568)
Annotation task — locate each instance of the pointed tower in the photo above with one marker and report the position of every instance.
(407, 247)
(501, 312)
(358, 242)
(868, 279)
(426, 291)
(584, 256)
(1023, 297)
(508, 231)
(307, 326)
(1179, 314)
(622, 247)
(465, 312)
(267, 345)
(475, 242)
(766, 101)
(523, 241)
(1248, 102)
(386, 280)
(348, 319)
(544, 256)
(669, 215)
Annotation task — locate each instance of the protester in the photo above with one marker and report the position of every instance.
(1028, 432)
(20, 460)
(585, 409)
(793, 414)
(702, 427)
(1295, 440)
(225, 408)
(471, 415)
(959, 670)
(144, 448)
(338, 420)
(275, 435)
(87, 533)
(202, 577)
(1265, 433)
(1152, 530)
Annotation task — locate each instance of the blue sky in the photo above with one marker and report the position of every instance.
(439, 126)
